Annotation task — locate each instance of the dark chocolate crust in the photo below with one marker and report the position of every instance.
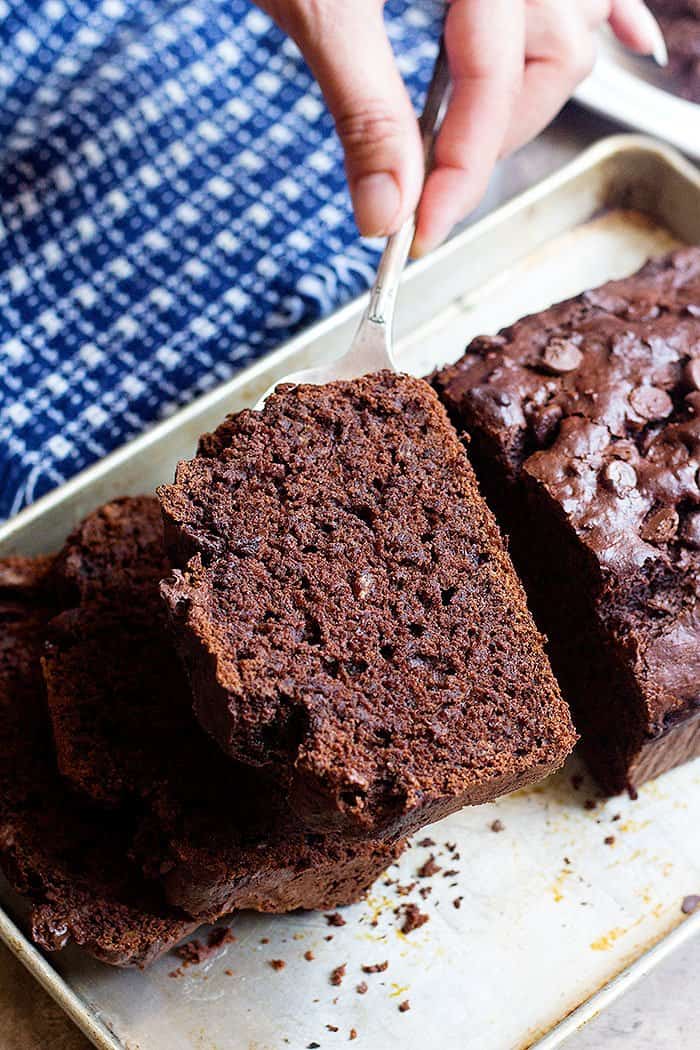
(680, 24)
(70, 861)
(348, 614)
(218, 835)
(585, 423)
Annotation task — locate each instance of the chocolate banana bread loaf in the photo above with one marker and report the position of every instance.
(680, 24)
(585, 427)
(69, 860)
(218, 835)
(348, 614)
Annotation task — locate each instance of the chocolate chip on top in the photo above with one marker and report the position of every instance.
(690, 530)
(660, 526)
(561, 356)
(650, 402)
(620, 476)
(692, 373)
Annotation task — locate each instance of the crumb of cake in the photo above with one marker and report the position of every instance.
(196, 951)
(414, 918)
(497, 825)
(353, 1033)
(425, 891)
(335, 919)
(191, 953)
(617, 816)
(219, 936)
(403, 891)
(264, 940)
(361, 988)
(277, 964)
(457, 902)
(328, 937)
(229, 973)
(426, 843)
(404, 1006)
(429, 868)
(376, 967)
(338, 974)
(332, 1027)
(450, 873)
(309, 955)
(609, 840)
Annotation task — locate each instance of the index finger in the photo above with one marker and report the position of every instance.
(485, 48)
(635, 26)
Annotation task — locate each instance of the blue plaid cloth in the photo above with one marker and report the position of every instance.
(172, 206)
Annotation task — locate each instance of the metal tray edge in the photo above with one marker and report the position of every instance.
(673, 117)
(619, 984)
(71, 1003)
(75, 1007)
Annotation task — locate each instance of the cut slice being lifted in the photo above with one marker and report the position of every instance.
(585, 427)
(348, 614)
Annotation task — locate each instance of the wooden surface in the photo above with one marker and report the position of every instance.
(660, 1013)
(29, 1019)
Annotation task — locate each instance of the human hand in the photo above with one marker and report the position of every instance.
(514, 63)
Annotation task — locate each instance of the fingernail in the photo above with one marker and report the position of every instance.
(376, 199)
(657, 44)
(418, 249)
(422, 245)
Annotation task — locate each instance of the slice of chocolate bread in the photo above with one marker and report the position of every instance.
(347, 612)
(113, 555)
(585, 426)
(67, 859)
(218, 835)
(119, 704)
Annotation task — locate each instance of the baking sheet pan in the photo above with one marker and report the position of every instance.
(553, 922)
(635, 92)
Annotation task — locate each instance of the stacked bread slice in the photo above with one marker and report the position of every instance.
(119, 817)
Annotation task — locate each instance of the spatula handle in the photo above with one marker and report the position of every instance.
(393, 260)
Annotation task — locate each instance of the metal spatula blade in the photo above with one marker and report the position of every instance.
(372, 347)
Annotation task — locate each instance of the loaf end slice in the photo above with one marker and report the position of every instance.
(585, 432)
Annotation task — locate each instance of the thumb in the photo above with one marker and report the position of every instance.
(352, 60)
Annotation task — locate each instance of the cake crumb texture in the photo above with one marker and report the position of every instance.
(348, 613)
